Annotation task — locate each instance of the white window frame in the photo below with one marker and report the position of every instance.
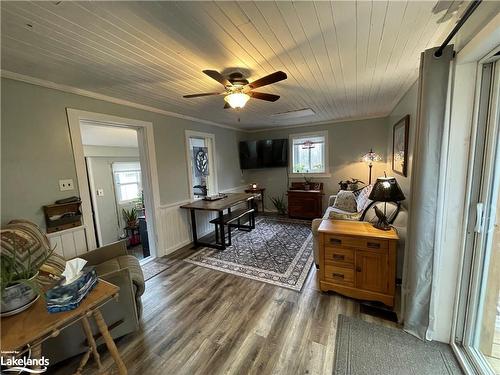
(118, 185)
(291, 137)
(212, 161)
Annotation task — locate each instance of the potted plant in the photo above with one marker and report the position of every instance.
(130, 216)
(354, 183)
(18, 285)
(279, 204)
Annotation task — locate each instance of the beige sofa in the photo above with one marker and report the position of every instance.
(399, 222)
(112, 264)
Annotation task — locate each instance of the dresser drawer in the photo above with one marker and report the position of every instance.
(339, 257)
(355, 242)
(339, 275)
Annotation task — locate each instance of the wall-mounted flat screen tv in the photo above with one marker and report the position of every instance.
(270, 153)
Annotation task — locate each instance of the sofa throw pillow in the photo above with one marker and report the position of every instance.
(362, 200)
(352, 216)
(345, 201)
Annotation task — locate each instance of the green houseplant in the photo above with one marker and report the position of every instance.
(18, 285)
(279, 204)
(130, 216)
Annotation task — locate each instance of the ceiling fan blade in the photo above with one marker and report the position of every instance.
(267, 80)
(204, 94)
(264, 96)
(214, 74)
(226, 105)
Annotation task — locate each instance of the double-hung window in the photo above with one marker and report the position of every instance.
(309, 153)
(201, 164)
(127, 177)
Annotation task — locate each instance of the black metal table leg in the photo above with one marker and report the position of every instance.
(193, 228)
(222, 235)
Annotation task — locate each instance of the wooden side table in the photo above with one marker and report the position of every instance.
(29, 329)
(358, 260)
(259, 191)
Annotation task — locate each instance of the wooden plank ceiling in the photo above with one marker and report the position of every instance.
(344, 60)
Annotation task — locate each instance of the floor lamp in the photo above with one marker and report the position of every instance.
(370, 158)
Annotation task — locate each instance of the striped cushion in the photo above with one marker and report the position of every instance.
(51, 270)
(362, 195)
(25, 239)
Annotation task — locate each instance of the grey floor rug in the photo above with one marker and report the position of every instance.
(364, 348)
(278, 251)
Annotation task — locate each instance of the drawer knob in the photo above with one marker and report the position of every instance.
(338, 275)
(335, 241)
(338, 257)
(358, 269)
(373, 245)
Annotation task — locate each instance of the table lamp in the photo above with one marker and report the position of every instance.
(386, 189)
(370, 158)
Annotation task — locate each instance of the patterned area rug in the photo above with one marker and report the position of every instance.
(152, 268)
(278, 251)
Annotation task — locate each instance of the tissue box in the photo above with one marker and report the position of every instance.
(68, 297)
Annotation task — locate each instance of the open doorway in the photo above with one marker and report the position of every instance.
(115, 182)
(116, 171)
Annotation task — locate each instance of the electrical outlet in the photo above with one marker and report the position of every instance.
(100, 192)
(65, 185)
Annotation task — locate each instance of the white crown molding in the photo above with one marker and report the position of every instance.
(106, 98)
(328, 122)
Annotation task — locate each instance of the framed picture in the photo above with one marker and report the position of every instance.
(400, 146)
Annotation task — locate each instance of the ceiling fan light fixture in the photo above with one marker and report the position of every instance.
(237, 99)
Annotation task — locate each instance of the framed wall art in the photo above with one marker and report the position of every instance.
(400, 146)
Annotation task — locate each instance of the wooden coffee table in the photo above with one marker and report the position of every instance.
(29, 329)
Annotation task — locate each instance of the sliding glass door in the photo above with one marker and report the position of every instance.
(477, 333)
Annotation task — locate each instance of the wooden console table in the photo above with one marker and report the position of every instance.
(358, 260)
(28, 330)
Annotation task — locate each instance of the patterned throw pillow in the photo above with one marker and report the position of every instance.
(362, 200)
(354, 216)
(345, 201)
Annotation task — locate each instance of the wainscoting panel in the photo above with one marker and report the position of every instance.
(69, 243)
(175, 224)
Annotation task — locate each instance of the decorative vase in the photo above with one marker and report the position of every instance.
(18, 297)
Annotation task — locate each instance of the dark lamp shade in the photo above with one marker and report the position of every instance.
(386, 189)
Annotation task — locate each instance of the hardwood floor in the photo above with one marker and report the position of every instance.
(201, 321)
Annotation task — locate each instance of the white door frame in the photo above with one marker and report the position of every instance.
(147, 157)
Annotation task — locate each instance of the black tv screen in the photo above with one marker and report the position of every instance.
(268, 153)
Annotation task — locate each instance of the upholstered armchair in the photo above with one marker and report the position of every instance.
(114, 265)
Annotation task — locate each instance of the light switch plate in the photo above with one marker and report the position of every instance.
(66, 185)
(100, 192)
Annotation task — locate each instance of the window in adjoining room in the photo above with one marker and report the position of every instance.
(127, 177)
(309, 153)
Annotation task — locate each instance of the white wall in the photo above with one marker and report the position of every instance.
(110, 151)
